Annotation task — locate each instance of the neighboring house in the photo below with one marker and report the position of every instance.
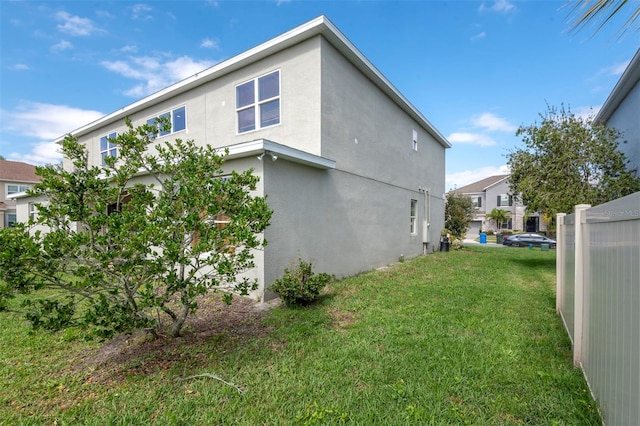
(353, 171)
(15, 177)
(621, 110)
(493, 192)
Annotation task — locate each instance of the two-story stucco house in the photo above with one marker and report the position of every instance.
(493, 192)
(353, 171)
(15, 177)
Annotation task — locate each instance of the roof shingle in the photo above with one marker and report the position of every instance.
(16, 171)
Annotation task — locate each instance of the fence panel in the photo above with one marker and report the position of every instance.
(608, 318)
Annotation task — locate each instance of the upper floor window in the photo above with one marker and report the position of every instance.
(177, 118)
(504, 200)
(108, 147)
(414, 143)
(477, 202)
(258, 102)
(413, 216)
(14, 189)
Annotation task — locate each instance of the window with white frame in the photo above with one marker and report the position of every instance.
(177, 118)
(108, 147)
(258, 102)
(477, 201)
(414, 143)
(504, 200)
(11, 219)
(414, 210)
(14, 189)
(32, 211)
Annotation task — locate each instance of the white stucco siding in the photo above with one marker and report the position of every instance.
(211, 107)
(626, 118)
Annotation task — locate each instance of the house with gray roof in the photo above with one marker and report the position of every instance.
(354, 173)
(493, 192)
(15, 177)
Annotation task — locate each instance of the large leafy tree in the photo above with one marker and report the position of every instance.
(458, 212)
(135, 241)
(568, 160)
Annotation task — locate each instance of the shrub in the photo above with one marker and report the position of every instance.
(299, 285)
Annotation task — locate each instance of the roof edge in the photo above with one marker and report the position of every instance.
(318, 26)
(629, 78)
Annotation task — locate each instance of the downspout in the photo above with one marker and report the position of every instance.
(426, 234)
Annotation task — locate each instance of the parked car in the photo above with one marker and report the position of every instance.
(524, 240)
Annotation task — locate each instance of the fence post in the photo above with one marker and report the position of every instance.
(580, 256)
(560, 255)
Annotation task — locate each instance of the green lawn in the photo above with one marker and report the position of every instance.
(465, 337)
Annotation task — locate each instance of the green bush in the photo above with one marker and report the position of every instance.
(299, 285)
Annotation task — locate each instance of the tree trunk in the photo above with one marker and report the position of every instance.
(178, 322)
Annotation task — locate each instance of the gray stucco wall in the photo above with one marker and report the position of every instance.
(349, 219)
(370, 138)
(626, 118)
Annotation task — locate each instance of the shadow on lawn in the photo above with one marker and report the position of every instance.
(548, 264)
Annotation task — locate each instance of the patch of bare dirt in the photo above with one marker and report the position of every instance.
(140, 353)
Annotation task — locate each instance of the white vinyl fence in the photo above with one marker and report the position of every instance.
(598, 297)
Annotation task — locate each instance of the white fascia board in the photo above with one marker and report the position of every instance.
(630, 77)
(320, 25)
(243, 59)
(496, 182)
(351, 52)
(18, 195)
(260, 146)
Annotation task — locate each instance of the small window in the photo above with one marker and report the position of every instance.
(177, 118)
(477, 202)
(504, 200)
(413, 217)
(14, 189)
(32, 211)
(108, 147)
(12, 218)
(258, 102)
(414, 143)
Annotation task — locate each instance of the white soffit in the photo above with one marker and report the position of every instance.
(259, 146)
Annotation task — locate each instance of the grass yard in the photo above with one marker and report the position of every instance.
(465, 337)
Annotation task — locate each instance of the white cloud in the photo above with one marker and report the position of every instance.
(585, 112)
(129, 48)
(500, 6)
(471, 139)
(42, 153)
(75, 25)
(207, 43)
(492, 122)
(460, 179)
(45, 123)
(615, 69)
(154, 73)
(19, 67)
(479, 36)
(141, 12)
(63, 45)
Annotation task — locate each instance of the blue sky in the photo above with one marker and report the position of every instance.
(476, 69)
